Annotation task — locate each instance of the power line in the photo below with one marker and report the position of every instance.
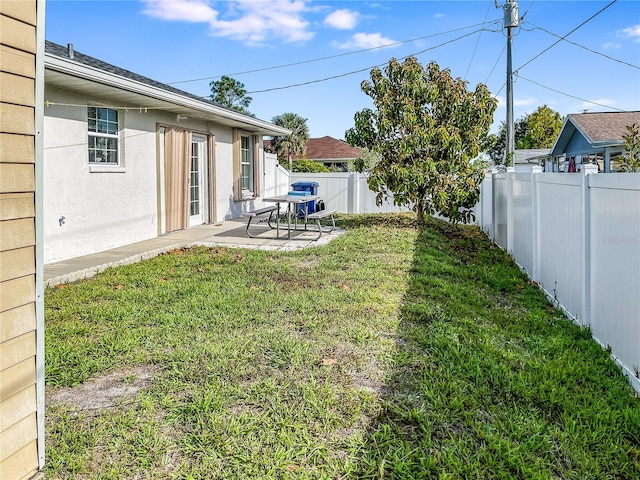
(587, 48)
(367, 68)
(572, 96)
(302, 62)
(477, 42)
(516, 71)
(495, 65)
(565, 36)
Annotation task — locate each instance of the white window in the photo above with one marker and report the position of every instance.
(246, 167)
(246, 164)
(103, 136)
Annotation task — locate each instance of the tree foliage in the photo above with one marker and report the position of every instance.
(230, 93)
(426, 131)
(631, 158)
(286, 146)
(543, 128)
(537, 130)
(308, 166)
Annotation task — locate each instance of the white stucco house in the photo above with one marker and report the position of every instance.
(127, 158)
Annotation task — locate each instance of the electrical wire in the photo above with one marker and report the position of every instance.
(310, 82)
(495, 65)
(569, 95)
(302, 62)
(516, 71)
(585, 48)
(564, 36)
(527, 11)
(475, 48)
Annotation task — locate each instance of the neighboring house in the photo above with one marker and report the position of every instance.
(591, 138)
(335, 154)
(524, 159)
(127, 158)
(21, 286)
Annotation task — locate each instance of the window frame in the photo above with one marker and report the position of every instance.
(246, 156)
(246, 161)
(111, 134)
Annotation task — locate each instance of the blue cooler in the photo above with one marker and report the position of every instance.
(312, 189)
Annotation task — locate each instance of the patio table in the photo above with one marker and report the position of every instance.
(290, 200)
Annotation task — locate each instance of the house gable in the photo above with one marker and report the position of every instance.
(593, 132)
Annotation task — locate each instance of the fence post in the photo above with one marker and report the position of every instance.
(356, 192)
(509, 193)
(587, 169)
(535, 241)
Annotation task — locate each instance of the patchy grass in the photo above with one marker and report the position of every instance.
(389, 353)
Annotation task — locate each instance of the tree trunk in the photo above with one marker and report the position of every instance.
(420, 215)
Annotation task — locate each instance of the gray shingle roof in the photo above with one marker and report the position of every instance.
(600, 129)
(63, 52)
(603, 126)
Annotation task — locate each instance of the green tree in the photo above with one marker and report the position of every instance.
(537, 130)
(631, 159)
(230, 93)
(286, 146)
(308, 166)
(426, 130)
(543, 127)
(365, 161)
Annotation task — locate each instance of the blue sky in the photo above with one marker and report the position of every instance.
(327, 48)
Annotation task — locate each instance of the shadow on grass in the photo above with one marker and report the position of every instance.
(490, 381)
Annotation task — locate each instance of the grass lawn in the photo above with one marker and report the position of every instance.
(389, 353)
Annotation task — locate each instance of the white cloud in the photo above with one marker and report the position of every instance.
(525, 102)
(439, 15)
(343, 19)
(611, 46)
(632, 32)
(180, 10)
(366, 40)
(249, 21)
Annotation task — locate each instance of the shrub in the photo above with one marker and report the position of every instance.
(308, 166)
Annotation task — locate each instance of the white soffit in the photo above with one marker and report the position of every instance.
(94, 82)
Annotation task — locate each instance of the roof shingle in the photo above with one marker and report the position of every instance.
(329, 148)
(602, 126)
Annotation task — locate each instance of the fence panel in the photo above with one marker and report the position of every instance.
(615, 265)
(522, 218)
(483, 210)
(560, 237)
(347, 192)
(276, 178)
(499, 209)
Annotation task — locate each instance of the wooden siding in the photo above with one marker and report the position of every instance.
(18, 322)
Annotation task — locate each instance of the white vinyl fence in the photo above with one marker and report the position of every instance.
(578, 237)
(276, 178)
(346, 192)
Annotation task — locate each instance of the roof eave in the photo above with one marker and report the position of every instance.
(92, 74)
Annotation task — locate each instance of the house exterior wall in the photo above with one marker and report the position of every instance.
(578, 145)
(89, 209)
(21, 419)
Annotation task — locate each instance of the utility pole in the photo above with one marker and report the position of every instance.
(510, 21)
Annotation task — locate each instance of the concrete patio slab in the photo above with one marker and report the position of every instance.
(230, 234)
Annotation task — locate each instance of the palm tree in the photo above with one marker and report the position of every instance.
(286, 146)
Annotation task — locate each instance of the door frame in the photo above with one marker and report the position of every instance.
(207, 176)
(200, 162)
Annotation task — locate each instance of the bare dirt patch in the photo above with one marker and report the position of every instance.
(106, 391)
